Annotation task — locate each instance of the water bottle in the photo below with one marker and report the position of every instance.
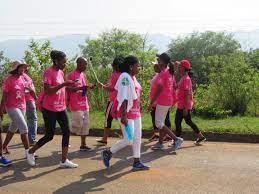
(129, 134)
(84, 92)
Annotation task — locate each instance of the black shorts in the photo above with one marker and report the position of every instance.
(108, 116)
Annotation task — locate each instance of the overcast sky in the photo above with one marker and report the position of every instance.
(40, 18)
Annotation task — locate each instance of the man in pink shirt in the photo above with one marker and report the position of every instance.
(78, 102)
(112, 96)
(185, 101)
(163, 96)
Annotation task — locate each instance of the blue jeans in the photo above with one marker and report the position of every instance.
(31, 114)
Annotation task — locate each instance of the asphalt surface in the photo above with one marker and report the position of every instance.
(210, 168)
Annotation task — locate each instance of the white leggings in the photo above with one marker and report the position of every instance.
(136, 127)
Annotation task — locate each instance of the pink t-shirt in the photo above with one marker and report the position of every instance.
(28, 83)
(153, 85)
(54, 102)
(185, 84)
(77, 102)
(14, 86)
(112, 82)
(134, 112)
(166, 80)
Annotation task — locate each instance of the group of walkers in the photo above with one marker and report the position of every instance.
(19, 99)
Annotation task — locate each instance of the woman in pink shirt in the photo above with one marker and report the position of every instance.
(54, 107)
(112, 95)
(153, 85)
(14, 102)
(127, 105)
(164, 98)
(185, 101)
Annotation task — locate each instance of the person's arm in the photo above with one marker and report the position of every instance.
(32, 92)
(186, 102)
(123, 109)
(2, 106)
(156, 94)
(48, 89)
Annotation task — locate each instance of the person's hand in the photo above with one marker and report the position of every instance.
(29, 89)
(149, 108)
(69, 83)
(185, 112)
(124, 120)
(2, 111)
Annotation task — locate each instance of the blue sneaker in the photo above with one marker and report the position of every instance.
(140, 166)
(5, 162)
(177, 143)
(106, 156)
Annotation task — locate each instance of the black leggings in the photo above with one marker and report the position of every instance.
(153, 116)
(188, 120)
(50, 119)
(108, 115)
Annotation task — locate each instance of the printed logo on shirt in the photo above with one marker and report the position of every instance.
(125, 81)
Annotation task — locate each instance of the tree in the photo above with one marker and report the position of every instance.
(198, 46)
(38, 58)
(114, 43)
(253, 58)
(232, 86)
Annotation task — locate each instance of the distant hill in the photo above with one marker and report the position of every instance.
(14, 49)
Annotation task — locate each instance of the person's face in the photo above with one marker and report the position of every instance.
(21, 69)
(160, 62)
(135, 69)
(82, 65)
(181, 69)
(157, 68)
(61, 63)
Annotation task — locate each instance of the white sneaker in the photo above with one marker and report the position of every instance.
(177, 143)
(68, 164)
(30, 158)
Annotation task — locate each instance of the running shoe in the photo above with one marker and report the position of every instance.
(68, 164)
(177, 143)
(137, 166)
(199, 140)
(85, 148)
(30, 158)
(106, 157)
(101, 141)
(4, 161)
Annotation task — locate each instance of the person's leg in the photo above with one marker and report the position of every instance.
(3, 161)
(49, 118)
(107, 154)
(161, 112)
(107, 123)
(18, 121)
(8, 138)
(188, 121)
(124, 142)
(85, 131)
(156, 131)
(137, 132)
(178, 122)
(31, 115)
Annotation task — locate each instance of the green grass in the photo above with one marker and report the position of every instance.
(241, 125)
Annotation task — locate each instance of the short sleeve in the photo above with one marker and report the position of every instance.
(47, 78)
(187, 84)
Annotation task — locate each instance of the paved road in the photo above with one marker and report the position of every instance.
(211, 168)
